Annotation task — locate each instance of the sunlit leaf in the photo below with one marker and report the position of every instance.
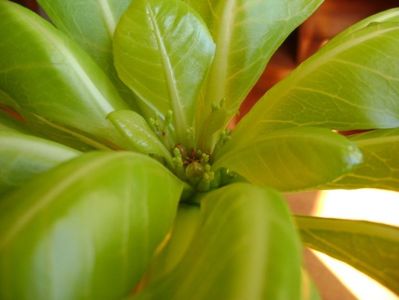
(91, 23)
(24, 156)
(351, 83)
(245, 248)
(370, 247)
(292, 159)
(380, 168)
(87, 229)
(247, 33)
(48, 75)
(162, 52)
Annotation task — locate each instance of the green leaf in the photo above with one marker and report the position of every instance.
(162, 52)
(9, 123)
(91, 23)
(247, 33)
(291, 159)
(370, 247)
(24, 156)
(380, 168)
(139, 136)
(186, 224)
(87, 229)
(48, 75)
(309, 289)
(245, 248)
(351, 83)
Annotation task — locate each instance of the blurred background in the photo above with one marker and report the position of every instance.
(335, 280)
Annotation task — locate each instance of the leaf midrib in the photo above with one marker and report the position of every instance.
(58, 43)
(177, 104)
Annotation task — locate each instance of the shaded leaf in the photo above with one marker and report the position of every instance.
(138, 134)
(291, 159)
(91, 23)
(162, 52)
(247, 33)
(185, 227)
(8, 123)
(309, 289)
(351, 83)
(87, 229)
(245, 248)
(369, 247)
(380, 168)
(23, 156)
(46, 74)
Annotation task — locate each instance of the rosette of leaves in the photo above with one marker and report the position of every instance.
(119, 179)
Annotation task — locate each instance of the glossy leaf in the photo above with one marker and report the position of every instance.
(23, 156)
(380, 169)
(247, 33)
(87, 229)
(48, 75)
(91, 23)
(292, 159)
(138, 134)
(162, 52)
(370, 247)
(351, 83)
(245, 248)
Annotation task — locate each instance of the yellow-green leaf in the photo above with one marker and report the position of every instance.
(86, 229)
(291, 159)
(370, 247)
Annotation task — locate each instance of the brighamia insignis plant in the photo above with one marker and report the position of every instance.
(118, 176)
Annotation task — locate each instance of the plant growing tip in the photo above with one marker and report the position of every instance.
(175, 202)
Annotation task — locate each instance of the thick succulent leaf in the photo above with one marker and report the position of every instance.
(245, 248)
(47, 74)
(247, 33)
(138, 134)
(87, 229)
(24, 156)
(370, 247)
(91, 23)
(351, 83)
(292, 159)
(162, 52)
(186, 224)
(380, 169)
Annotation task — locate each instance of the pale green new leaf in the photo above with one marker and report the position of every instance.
(162, 52)
(138, 134)
(23, 156)
(370, 247)
(86, 229)
(48, 75)
(91, 23)
(247, 33)
(380, 168)
(291, 159)
(245, 248)
(351, 83)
